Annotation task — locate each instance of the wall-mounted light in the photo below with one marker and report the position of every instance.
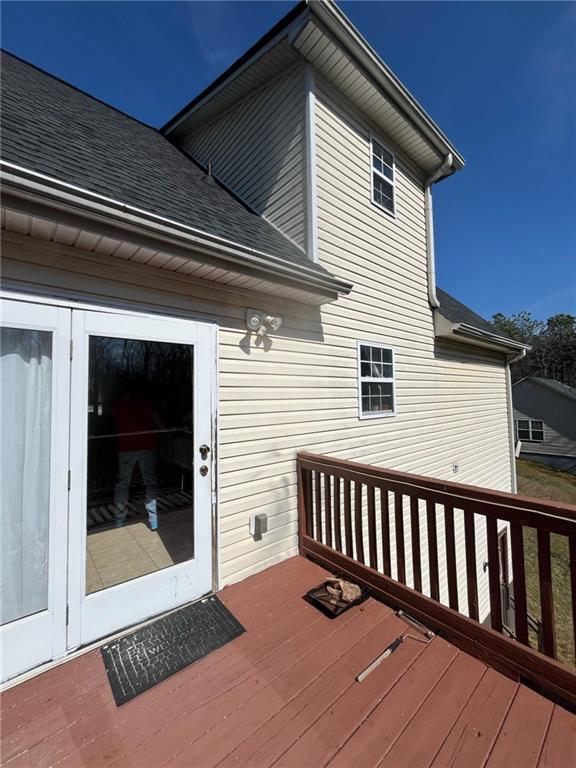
(261, 323)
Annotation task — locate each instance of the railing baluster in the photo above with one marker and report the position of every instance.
(318, 499)
(372, 550)
(328, 508)
(494, 574)
(308, 502)
(572, 566)
(415, 530)
(451, 556)
(471, 578)
(348, 518)
(546, 599)
(337, 517)
(399, 523)
(433, 550)
(385, 523)
(358, 522)
(519, 581)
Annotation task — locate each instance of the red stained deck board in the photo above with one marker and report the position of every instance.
(279, 732)
(289, 679)
(340, 720)
(523, 732)
(217, 743)
(373, 737)
(559, 749)
(473, 735)
(427, 730)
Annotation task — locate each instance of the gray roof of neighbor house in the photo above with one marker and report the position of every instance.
(557, 386)
(52, 128)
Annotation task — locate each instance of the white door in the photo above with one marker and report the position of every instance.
(34, 395)
(141, 469)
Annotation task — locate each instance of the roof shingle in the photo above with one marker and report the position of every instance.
(57, 130)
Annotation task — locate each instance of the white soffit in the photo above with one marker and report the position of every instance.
(338, 68)
(313, 43)
(271, 62)
(124, 250)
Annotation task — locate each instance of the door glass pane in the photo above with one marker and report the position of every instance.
(140, 502)
(26, 395)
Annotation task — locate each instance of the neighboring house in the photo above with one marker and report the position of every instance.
(545, 421)
(186, 309)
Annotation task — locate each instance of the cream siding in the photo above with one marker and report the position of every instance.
(257, 149)
(451, 400)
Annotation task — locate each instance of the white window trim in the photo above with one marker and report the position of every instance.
(378, 140)
(530, 439)
(383, 415)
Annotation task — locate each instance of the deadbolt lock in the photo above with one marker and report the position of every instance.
(204, 451)
(203, 470)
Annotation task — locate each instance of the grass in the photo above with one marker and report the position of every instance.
(544, 482)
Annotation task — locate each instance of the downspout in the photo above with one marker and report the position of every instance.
(443, 170)
(509, 360)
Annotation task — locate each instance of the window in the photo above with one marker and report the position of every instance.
(382, 176)
(375, 380)
(530, 429)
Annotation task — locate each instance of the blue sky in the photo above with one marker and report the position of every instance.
(498, 77)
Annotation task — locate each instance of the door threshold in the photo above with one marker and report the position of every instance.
(84, 649)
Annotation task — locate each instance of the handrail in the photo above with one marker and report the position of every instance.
(380, 527)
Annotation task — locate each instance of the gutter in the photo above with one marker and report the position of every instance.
(35, 186)
(446, 329)
(443, 170)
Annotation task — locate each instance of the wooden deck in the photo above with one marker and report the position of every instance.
(284, 694)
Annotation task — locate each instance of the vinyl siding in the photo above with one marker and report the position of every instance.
(451, 400)
(534, 401)
(257, 150)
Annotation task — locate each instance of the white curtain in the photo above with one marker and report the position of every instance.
(25, 397)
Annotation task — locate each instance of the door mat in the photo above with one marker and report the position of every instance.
(139, 661)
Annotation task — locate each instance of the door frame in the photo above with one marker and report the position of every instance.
(109, 304)
(40, 637)
(114, 608)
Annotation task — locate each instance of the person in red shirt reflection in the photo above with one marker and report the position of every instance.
(136, 426)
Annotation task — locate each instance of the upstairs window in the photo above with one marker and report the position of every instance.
(382, 177)
(375, 380)
(530, 429)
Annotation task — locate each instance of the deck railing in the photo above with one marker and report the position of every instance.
(379, 526)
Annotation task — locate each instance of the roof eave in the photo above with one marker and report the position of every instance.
(331, 17)
(29, 185)
(357, 46)
(468, 334)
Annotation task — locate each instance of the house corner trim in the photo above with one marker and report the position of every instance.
(311, 194)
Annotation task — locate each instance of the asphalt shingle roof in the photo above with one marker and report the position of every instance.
(52, 128)
(557, 386)
(456, 312)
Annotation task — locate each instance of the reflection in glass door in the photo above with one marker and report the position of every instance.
(140, 484)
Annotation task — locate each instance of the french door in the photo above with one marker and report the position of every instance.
(34, 395)
(108, 454)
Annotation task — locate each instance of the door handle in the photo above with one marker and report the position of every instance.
(204, 451)
(203, 470)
